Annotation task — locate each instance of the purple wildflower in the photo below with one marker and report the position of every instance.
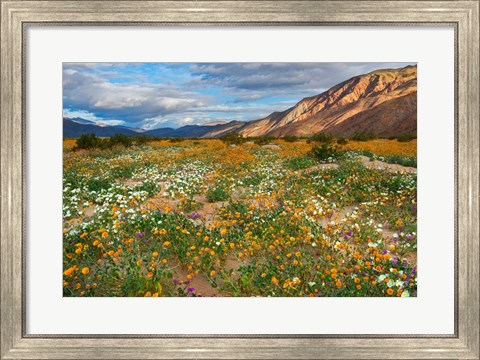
(194, 215)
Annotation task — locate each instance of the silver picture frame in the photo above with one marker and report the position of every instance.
(16, 16)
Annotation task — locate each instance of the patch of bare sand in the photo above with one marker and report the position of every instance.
(162, 203)
(271, 146)
(199, 282)
(317, 167)
(130, 182)
(377, 164)
(209, 209)
(337, 215)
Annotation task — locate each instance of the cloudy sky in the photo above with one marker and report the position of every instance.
(153, 95)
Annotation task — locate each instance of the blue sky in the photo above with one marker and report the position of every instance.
(154, 95)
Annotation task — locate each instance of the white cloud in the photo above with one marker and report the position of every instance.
(80, 114)
(133, 102)
(110, 122)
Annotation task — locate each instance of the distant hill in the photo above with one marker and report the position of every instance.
(73, 128)
(382, 102)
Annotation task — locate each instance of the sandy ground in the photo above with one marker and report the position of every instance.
(377, 164)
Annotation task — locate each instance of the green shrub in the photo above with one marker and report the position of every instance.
(141, 140)
(290, 138)
(324, 152)
(321, 138)
(119, 139)
(298, 163)
(98, 184)
(176, 139)
(401, 160)
(405, 137)
(342, 141)
(263, 140)
(233, 139)
(88, 141)
(358, 136)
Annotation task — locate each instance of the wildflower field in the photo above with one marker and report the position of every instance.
(206, 218)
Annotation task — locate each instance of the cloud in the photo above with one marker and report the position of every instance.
(253, 81)
(110, 122)
(80, 114)
(151, 95)
(133, 102)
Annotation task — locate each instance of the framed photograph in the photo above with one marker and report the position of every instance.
(227, 179)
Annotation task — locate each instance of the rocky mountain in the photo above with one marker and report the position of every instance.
(74, 128)
(383, 102)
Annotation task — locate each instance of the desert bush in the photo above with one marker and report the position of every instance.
(119, 139)
(298, 163)
(88, 141)
(233, 139)
(358, 136)
(342, 141)
(406, 137)
(290, 138)
(263, 140)
(176, 139)
(324, 152)
(321, 138)
(141, 140)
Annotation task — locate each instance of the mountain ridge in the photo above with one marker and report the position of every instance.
(382, 102)
(342, 102)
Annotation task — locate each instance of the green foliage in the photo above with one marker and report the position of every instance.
(342, 141)
(263, 140)
(189, 205)
(91, 141)
(290, 138)
(405, 137)
(401, 160)
(217, 193)
(141, 140)
(88, 141)
(233, 139)
(321, 138)
(300, 163)
(324, 152)
(119, 139)
(176, 139)
(363, 136)
(98, 184)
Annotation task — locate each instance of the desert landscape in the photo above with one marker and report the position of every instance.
(318, 199)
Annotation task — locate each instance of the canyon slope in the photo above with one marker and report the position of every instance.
(382, 103)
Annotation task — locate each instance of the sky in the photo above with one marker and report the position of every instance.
(157, 95)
